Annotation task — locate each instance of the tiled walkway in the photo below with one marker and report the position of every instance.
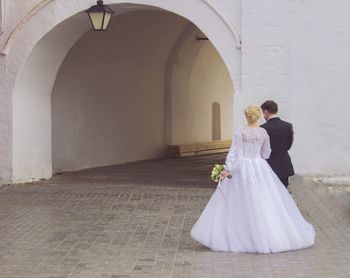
(134, 220)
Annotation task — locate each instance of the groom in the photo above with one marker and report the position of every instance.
(281, 140)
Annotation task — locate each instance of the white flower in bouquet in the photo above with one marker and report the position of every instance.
(215, 173)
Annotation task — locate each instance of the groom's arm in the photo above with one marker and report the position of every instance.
(290, 137)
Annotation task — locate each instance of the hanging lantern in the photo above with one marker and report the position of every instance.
(100, 15)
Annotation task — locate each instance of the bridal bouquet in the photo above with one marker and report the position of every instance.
(215, 173)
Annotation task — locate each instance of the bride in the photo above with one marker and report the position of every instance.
(251, 210)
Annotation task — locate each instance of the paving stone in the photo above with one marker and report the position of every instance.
(133, 220)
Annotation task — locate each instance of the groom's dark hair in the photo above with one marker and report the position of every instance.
(270, 106)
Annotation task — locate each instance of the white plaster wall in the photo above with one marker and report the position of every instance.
(230, 11)
(108, 99)
(209, 83)
(2, 16)
(297, 52)
(192, 98)
(32, 157)
(13, 11)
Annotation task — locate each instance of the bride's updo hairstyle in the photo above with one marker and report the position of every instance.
(252, 113)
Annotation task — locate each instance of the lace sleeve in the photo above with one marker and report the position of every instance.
(235, 151)
(230, 157)
(266, 147)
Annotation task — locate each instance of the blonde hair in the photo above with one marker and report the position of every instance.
(252, 113)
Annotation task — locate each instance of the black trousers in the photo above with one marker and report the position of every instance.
(284, 180)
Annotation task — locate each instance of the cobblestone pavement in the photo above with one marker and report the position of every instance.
(134, 220)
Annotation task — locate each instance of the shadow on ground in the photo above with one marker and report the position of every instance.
(179, 172)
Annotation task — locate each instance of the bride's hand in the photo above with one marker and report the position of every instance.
(224, 174)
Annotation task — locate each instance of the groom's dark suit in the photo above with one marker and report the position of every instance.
(281, 140)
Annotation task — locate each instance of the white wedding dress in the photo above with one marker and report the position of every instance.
(252, 211)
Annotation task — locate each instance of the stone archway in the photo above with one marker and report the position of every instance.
(57, 41)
